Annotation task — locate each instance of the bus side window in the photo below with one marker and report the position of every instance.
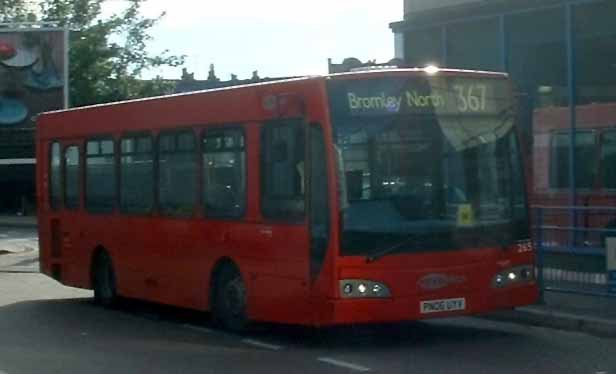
(136, 175)
(55, 178)
(100, 176)
(608, 159)
(177, 174)
(72, 173)
(283, 171)
(224, 173)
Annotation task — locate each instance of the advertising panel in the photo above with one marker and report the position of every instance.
(33, 79)
(33, 74)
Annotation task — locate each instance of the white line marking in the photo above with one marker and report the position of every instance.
(200, 329)
(343, 364)
(259, 344)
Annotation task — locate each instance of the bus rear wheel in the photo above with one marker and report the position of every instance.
(105, 291)
(229, 309)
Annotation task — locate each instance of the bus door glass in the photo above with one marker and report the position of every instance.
(318, 200)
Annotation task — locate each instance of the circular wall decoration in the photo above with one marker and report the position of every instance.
(21, 59)
(7, 51)
(12, 111)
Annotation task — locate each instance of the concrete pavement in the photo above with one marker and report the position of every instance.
(594, 315)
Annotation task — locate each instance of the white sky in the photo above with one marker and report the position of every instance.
(275, 37)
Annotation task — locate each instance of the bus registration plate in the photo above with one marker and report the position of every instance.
(443, 305)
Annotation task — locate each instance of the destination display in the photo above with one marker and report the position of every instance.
(468, 111)
(420, 95)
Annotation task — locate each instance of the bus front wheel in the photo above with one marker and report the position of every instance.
(229, 309)
(105, 291)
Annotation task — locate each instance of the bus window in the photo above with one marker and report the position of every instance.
(224, 173)
(72, 174)
(282, 193)
(100, 176)
(608, 159)
(136, 175)
(177, 165)
(585, 165)
(54, 176)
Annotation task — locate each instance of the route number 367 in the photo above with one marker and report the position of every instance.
(471, 98)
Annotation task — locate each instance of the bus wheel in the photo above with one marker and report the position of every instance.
(105, 292)
(229, 307)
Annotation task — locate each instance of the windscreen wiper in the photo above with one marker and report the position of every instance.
(383, 252)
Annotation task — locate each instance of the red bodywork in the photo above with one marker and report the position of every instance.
(170, 260)
(550, 121)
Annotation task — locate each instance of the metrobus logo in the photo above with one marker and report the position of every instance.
(435, 281)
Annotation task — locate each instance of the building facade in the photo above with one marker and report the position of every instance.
(561, 55)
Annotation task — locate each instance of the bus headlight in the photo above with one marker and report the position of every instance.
(354, 288)
(514, 275)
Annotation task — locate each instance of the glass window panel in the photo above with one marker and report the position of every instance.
(224, 173)
(595, 64)
(137, 176)
(92, 148)
(423, 47)
(585, 163)
(177, 183)
(144, 144)
(595, 47)
(106, 147)
(608, 159)
(100, 178)
(166, 143)
(128, 145)
(475, 45)
(283, 171)
(186, 142)
(55, 177)
(72, 172)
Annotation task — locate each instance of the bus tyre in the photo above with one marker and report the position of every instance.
(229, 309)
(105, 291)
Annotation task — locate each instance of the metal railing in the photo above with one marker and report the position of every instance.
(571, 247)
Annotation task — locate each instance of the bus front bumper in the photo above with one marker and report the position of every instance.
(351, 311)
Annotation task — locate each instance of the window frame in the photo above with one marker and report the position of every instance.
(596, 157)
(50, 200)
(158, 207)
(601, 171)
(299, 220)
(64, 183)
(100, 138)
(202, 185)
(136, 135)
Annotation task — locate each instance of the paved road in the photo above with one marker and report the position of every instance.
(48, 328)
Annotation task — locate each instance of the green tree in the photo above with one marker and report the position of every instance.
(15, 11)
(107, 55)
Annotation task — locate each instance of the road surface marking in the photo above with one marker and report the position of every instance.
(343, 364)
(200, 329)
(259, 344)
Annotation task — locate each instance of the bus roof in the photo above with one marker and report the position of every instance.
(346, 75)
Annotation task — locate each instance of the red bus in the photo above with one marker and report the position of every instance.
(352, 198)
(595, 168)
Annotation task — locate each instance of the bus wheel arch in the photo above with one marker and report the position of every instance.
(228, 300)
(103, 277)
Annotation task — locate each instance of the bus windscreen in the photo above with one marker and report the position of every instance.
(427, 163)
